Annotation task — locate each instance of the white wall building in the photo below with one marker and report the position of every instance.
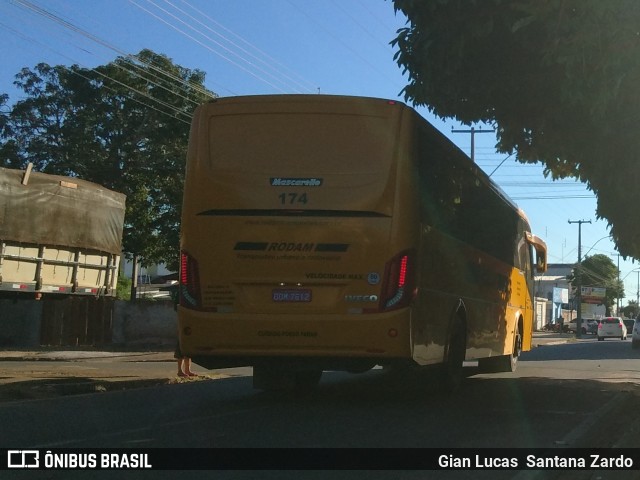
(555, 277)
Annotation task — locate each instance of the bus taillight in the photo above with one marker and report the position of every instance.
(189, 281)
(398, 287)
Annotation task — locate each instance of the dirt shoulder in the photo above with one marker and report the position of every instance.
(26, 375)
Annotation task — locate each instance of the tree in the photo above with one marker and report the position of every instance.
(600, 271)
(558, 79)
(631, 310)
(124, 125)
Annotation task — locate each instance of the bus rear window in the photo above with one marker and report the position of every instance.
(303, 164)
(301, 143)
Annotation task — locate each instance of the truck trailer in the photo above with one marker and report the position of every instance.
(58, 235)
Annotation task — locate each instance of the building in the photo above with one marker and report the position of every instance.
(555, 277)
(152, 281)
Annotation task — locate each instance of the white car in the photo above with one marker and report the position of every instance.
(588, 325)
(612, 327)
(635, 335)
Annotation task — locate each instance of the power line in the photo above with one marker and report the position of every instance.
(551, 197)
(366, 6)
(473, 132)
(362, 27)
(78, 30)
(553, 184)
(344, 45)
(173, 111)
(135, 60)
(215, 42)
(269, 59)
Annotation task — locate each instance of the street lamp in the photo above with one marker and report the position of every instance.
(597, 241)
(637, 270)
(586, 254)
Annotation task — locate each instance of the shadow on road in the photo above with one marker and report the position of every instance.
(378, 409)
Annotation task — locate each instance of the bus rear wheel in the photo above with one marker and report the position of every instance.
(504, 363)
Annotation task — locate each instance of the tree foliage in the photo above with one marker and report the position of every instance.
(123, 125)
(599, 271)
(631, 310)
(558, 79)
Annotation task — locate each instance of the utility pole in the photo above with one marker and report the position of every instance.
(579, 278)
(617, 299)
(473, 132)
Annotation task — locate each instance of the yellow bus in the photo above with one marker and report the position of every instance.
(340, 233)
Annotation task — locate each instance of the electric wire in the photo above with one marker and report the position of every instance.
(362, 27)
(269, 62)
(344, 45)
(365, 6)
(74, 28)
(191, 27)
(204, 45)
(172, 110)
(538, 197)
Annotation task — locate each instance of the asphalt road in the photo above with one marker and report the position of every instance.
(579, 394)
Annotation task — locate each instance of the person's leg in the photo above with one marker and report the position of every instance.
(187, 367)
(181, 372)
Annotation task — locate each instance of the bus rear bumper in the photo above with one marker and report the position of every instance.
(325, 342)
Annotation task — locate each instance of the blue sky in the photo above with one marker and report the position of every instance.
(286, 46)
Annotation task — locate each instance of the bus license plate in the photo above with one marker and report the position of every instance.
(284, 295)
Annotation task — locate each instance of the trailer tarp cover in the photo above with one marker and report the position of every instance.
(63, 211)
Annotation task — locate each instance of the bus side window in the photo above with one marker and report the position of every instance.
(524, 255)
(440, 186)
(490, 224)
(531, 260)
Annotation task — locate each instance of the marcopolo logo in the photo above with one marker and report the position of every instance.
(295, 182)
(23, 459)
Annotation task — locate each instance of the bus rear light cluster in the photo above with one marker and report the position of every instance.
(398, 287)
(189, 282)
